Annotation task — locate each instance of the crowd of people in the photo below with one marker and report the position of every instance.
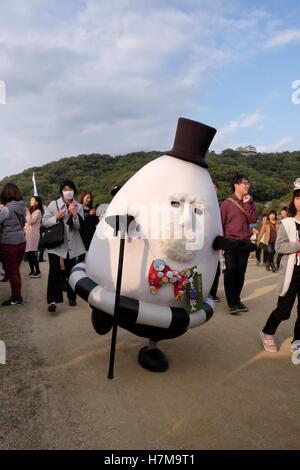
(21, 237)
(270, 237)
(276, 245)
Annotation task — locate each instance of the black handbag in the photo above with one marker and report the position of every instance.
(53, 236)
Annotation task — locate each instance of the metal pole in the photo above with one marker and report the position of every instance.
(117, 301)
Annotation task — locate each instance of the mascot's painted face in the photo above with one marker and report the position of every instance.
(177, 218)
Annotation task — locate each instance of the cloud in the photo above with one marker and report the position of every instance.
(283, 38)
(278, 146)
(112, 77)
(246, 120)
(226, 136)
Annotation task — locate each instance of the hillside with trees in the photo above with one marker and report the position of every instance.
(271, 174)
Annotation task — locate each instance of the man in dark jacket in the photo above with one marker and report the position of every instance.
(237, 213)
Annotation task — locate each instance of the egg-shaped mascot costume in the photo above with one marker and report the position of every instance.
(169, 260)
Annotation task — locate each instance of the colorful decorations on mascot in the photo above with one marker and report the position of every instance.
(171, 256)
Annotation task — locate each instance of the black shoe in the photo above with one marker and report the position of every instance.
(4, 279)
(72, 303)
(242, 307)
(153, 360)
(216, 298)
(12, 301)
(52, 307)
(30, 274)
(234, 310)
(35, 275)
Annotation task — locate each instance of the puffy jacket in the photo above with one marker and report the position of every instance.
(12, 228)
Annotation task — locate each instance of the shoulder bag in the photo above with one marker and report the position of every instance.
(53, 236)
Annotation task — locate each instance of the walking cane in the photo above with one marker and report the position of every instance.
(120, 223)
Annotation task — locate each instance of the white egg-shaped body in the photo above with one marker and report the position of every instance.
(177, 218)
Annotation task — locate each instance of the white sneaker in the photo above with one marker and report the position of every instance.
(52, 307)
(35, 275)
(295, 348)
(268, 342)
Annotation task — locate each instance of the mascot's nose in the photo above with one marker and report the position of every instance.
(186, 217)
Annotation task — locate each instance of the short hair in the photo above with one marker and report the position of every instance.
(10, 192)
(284, 208)
(292, 208)
(115, 189)
(237, 179)
(69, 183)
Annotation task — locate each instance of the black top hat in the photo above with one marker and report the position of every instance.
(192, 141)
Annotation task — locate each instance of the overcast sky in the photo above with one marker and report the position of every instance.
(83, 76)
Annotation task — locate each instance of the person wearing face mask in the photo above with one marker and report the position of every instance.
(65, 208)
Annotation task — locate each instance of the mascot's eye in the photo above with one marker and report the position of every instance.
(175, 204)
(198, 211)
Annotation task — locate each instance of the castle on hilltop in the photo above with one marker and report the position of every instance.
(248, 150)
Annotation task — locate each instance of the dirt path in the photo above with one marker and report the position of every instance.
(221, 391)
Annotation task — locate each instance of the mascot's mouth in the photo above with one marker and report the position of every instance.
(177, 249)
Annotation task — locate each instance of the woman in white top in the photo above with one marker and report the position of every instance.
(288, 244)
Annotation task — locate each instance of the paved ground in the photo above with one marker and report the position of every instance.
(222, 390)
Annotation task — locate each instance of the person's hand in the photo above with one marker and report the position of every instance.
(92, 212)
(247, 198)
(60, 215)
(73, 209)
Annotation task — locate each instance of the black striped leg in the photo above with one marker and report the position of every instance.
(102, 322)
